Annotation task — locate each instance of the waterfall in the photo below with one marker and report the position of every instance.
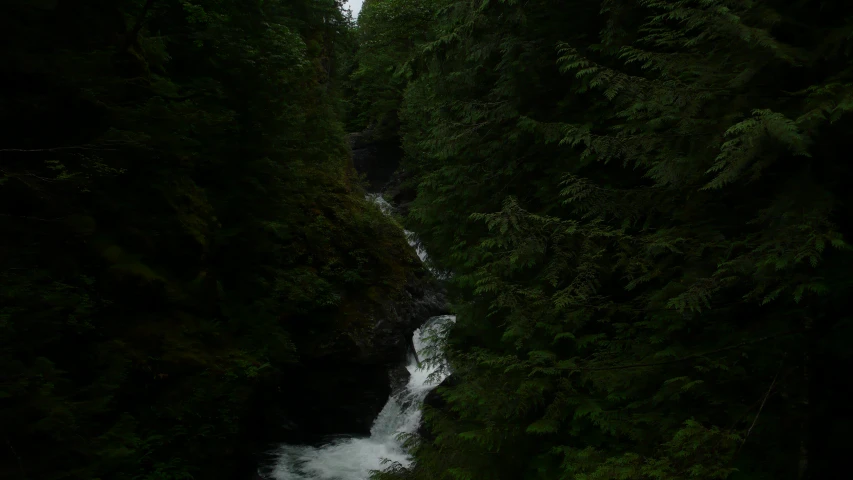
(353, 458)
(388, 209)
(380, 202)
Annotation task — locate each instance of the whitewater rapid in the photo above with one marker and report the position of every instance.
(388, 209)
(353, 458)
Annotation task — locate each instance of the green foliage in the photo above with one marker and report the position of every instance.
(644, 210)
(181, 222)
(389, 34)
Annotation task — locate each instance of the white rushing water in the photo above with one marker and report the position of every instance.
(388, 209)
(353, 458)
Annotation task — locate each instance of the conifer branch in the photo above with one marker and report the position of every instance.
(689, 357)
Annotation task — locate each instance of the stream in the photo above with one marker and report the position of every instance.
(353, 458)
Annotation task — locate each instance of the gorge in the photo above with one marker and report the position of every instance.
(636, 211)
(353, 458)
(335, 444)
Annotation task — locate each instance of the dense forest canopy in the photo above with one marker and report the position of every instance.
(640, 208)
(180, 223)
(645, 209)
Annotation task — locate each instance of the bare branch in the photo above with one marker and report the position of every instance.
(20, 463)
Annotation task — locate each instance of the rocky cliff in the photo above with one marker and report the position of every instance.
(343, 380)
(379, 157)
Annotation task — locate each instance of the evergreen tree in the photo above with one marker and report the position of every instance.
(389, 32)
(644, 209)
(180, 224)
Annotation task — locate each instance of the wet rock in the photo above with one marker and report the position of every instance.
(339, 398)
(360, 140)
(399, 191)
(399, 378)
(376, 156)
(341, 389)
(422, 298)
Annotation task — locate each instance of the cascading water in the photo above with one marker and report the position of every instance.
(387, 209)
(354, 458)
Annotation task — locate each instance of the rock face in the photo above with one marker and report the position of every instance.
(342, 392)
(357, 388)
(399, 192)
(376, 157)
(399, 378)
(341, 388)
(423, 298)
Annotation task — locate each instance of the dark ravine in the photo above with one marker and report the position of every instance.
(375, 156)
(398, 190)
(342, 393)
(341, 390)
(378, 156)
